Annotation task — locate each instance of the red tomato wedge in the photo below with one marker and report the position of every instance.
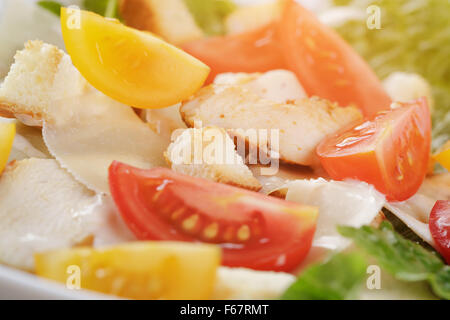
(255, 231)
(440, 227)
(253, 51)
(390, 151)
(326, 65)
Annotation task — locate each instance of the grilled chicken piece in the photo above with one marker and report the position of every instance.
(41, 207)
(209, 153)
(301, 125)
(281, 86)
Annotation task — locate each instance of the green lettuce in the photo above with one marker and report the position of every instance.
(406, 260)
(52, 6)
(414, 37)
(440, 282)
(337, 279)
(210, 14)
(342, 276)
(106, 8)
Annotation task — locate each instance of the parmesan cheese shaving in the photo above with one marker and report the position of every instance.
(88, 132)
(340, 203)
(415, 211)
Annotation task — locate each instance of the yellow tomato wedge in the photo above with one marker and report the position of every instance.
(443, 156)
(131, 66)
(7, 133)
(142, 270)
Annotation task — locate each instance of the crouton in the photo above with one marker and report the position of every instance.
(210, 153)
(169, 19)
(41, 73)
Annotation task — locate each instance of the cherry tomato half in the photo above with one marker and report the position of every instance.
(253, 51)
(254, 230)
(390, 151)
(440, 227)
(326, 65)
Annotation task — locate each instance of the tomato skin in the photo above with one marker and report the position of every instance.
(253, 51)
(326, 65)
(156, 204)
(439, 223)
(390, 151)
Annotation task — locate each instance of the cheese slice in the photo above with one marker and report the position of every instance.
(415, 211)
(340, 203)
(88, 132)
(164, 121)
(28, 143)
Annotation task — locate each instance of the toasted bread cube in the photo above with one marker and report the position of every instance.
(169, 19)
(209, 153)
(41, 73)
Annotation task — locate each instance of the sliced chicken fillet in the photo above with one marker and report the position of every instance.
(301, 125)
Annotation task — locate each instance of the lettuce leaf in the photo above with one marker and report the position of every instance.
(52, 6)
(414, 37)
(106, 8)
(210, 14)
(406, 260)
(440, 282)
(337, 279)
